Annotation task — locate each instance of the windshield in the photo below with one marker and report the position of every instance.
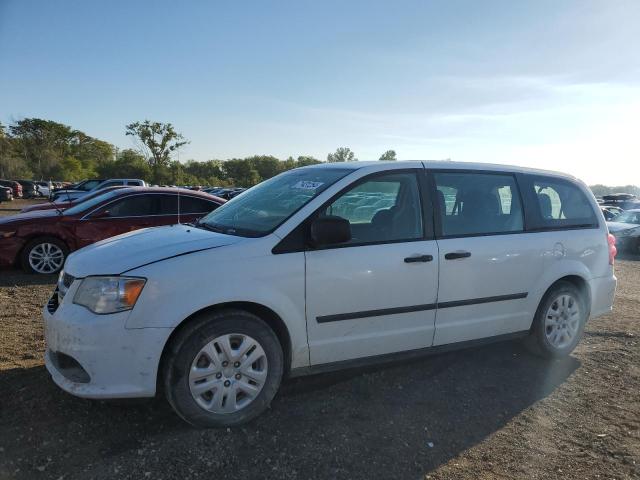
(628, 217)
(90, 203)
(263, 208)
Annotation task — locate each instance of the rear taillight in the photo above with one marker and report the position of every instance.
(613, 251)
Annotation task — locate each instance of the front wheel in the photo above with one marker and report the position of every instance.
(223, 369)
(44, 255)
(559, 322)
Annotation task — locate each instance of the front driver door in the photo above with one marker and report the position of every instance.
(377, 293)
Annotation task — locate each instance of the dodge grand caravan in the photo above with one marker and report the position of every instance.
(326, 267)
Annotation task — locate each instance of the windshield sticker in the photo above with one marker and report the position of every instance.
(307, 185)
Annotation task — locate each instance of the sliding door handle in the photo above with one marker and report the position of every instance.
(456, 255)
(419, 258)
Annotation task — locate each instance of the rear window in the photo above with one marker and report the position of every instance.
(560, 204)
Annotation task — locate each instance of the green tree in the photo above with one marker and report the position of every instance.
(266, 165)
(241, 173)
(42, 144)
(158, 141)
(342, 154)
(128, 164)
(388, 155)
(11, 164)
(303, 161)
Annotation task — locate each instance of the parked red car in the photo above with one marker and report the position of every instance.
(41, 240)
(65, 205)
(17, 188)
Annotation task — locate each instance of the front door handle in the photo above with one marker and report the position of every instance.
(419, 258)
(456, 255)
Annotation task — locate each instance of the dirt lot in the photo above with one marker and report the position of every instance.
(491, 412)
(9, 208)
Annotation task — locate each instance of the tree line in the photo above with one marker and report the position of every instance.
(43, 149)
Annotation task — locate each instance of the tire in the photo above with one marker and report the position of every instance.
(188, 361)
(53, 250)
(555, 335)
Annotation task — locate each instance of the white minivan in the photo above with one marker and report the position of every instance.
(327, 267)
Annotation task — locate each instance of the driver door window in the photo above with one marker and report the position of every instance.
(385, 208)
(135, 206)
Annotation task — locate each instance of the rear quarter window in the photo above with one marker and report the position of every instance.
(558, 203)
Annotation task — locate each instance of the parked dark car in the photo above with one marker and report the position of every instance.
(29, 188)
(17, 188)
(6, 194)
(64, 205)
(610, 212)
(40, 241)
(626, 228)
(625, 201)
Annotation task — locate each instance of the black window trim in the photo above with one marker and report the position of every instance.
(436, 208)
(295, 240)
(431, 213)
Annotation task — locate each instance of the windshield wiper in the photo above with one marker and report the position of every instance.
(211, 228)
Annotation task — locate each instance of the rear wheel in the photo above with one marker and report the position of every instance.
(45, 255)
(559, 321)
(223, 369)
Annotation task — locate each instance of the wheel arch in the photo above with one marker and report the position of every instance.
(272, 319)
(35, 236)
(578, 281)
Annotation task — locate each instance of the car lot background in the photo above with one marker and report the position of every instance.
(491, 412)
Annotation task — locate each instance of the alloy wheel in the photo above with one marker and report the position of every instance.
(46, 258)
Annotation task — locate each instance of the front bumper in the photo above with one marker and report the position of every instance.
(9, 250)
(119, 362)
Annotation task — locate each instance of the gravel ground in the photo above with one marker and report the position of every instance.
(491, 412)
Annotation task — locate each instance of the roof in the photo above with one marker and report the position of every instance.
(171, 190)
(438, 164)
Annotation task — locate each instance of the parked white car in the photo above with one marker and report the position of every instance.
(326, 267)
(44, 188)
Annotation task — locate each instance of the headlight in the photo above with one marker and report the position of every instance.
(109, 294)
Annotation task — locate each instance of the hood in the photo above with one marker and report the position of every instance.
(619, 226)
(46, 206)
(38, 215)
(125, 252)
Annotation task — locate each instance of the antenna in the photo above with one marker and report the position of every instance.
(179, 206)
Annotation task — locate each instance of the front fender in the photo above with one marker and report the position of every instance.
(179, 287)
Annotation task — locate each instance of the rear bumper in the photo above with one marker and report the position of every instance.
(603, 291)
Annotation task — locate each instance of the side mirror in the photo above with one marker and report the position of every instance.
(330, 230)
